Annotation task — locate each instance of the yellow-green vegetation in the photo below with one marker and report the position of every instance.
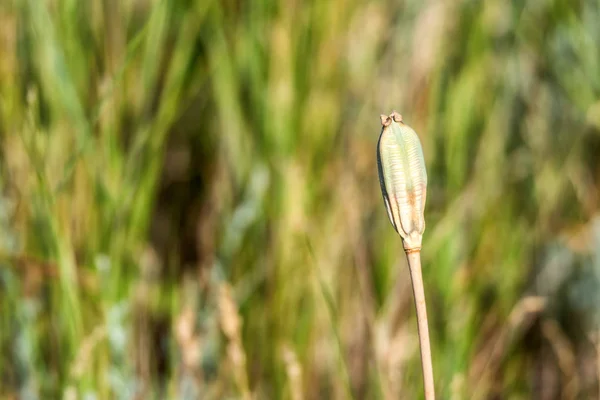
(190, 207)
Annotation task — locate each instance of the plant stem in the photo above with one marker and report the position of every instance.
(414, 265)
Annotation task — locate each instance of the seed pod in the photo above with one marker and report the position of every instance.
(403, 179)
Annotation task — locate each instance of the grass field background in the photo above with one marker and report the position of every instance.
(189, 203)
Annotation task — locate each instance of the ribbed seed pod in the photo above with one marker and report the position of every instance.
(403, 178)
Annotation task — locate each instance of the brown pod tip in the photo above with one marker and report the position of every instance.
(385, 120)
(397, 117)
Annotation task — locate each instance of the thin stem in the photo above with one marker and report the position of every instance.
(414, 264)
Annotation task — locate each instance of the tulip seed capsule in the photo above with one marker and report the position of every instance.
(403, 178)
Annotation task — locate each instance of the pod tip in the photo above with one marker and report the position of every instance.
(396, 117)
(385, 120)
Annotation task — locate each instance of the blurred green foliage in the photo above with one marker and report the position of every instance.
(189, 204)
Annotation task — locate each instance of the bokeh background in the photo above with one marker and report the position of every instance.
(189, 202)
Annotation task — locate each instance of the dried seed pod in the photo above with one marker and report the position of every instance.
(403, 178)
